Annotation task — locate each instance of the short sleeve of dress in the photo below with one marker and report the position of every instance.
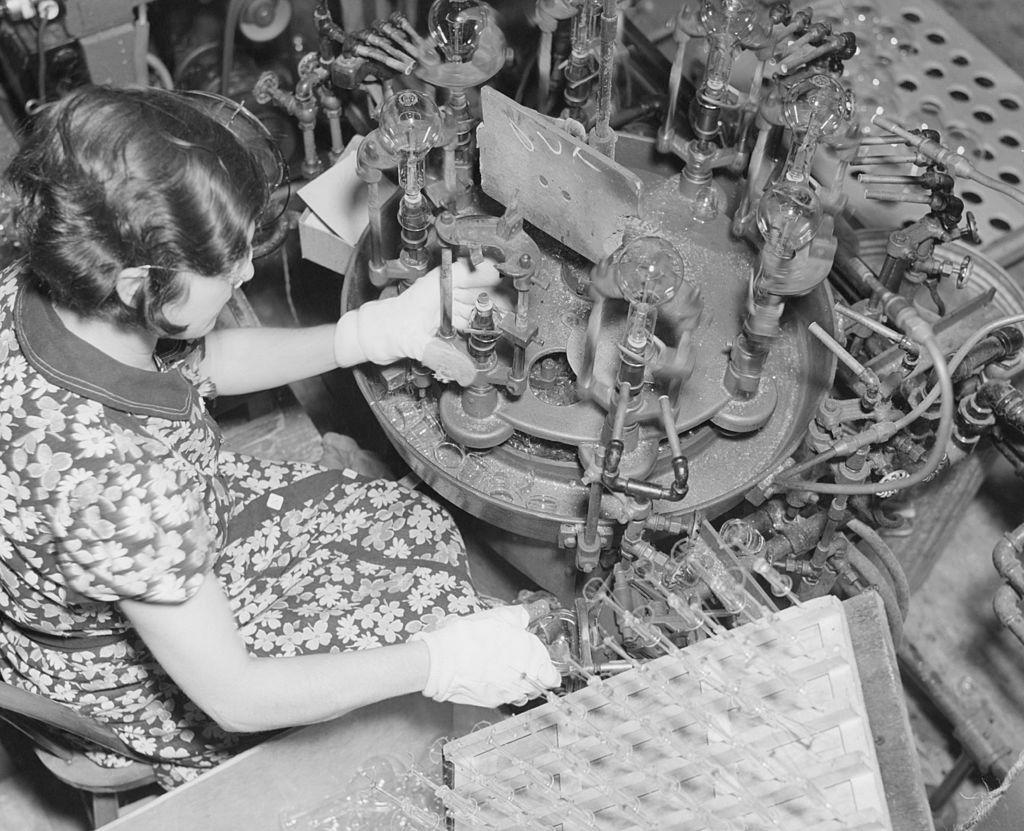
(133, 530)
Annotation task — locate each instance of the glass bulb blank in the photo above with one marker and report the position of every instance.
(456, 27)
(649, 270)
(733, 19)
(817, 104)
(410, 123)
(788, 217)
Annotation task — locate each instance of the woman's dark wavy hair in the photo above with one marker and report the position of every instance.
(114, 178)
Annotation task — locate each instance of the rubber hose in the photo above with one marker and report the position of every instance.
(1005, 401)
(873, 577)
(883, 551)
(998, 346)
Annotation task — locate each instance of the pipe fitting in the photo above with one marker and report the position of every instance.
(1006, 558)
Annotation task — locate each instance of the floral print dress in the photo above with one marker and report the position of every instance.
(114, 485)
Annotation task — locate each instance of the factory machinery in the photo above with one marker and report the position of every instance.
(745, 329)
(704, 390)
(699, 372)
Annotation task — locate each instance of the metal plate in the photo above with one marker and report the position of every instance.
(552, 176)
(944, 72)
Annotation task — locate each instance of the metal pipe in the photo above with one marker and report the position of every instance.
(675, 77)
(898, 338)
(373, 210)
(602, 137)
(446, 330)
(837, 349)
(898, 196)
(888, 179)
(669, 422)
(1006, 605)
(869, 159)
(950, 782)
(621, 406)
(593, 513)
(977, 729)
(544, 69)
(1006, 558)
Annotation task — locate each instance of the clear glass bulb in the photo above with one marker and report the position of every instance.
(819, 104)
(788, 217)
(734, 19)
(410, 126)
(410, 122)
(727, 23)
(648, 272)
(456, 27)
(814, 108)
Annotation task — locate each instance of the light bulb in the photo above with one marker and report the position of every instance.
(727, 23)
(649, 270)
(788, 217)
(818, 104)
(456, 27)
(814, 108)
(410, 126)
(410, 122)
(733, 19)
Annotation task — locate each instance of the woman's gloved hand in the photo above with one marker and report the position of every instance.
(404, 326)
(481, 659)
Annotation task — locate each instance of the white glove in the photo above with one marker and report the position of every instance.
(481, 659)
(403, 326)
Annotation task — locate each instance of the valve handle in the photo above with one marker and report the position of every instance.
(971, 231)
(308, 64)
(963, 273)
(266, 86)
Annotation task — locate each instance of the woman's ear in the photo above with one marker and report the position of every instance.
(128, 282)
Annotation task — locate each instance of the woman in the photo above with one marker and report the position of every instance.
(148, 578)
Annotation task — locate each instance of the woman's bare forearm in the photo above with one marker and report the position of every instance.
(198, 645)
(241, 361)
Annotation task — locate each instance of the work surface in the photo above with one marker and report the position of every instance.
(293, 771)
(299, 769)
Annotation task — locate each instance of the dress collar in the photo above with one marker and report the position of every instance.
(66, 360)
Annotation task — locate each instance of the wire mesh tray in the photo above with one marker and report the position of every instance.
(762, 727)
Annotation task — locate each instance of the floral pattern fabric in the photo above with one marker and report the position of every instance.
(114, 485)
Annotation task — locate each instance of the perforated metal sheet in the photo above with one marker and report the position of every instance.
(939, 70)
(950, 75)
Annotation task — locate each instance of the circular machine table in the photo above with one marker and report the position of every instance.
(528, 490)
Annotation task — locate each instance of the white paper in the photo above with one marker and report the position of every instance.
(338, 196)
